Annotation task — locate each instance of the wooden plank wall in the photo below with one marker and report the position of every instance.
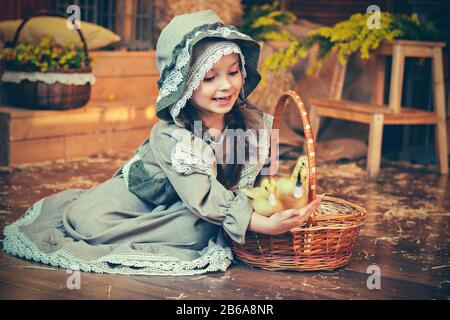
(124, 75)
(17, 9)
(328, 12)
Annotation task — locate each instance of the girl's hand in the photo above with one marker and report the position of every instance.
(282, 221)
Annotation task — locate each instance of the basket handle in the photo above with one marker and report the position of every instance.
(309, 138)
(51, 14)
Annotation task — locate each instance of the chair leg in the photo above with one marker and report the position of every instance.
(315, 122)
(441, 146)
(439, 104)
(374, 149)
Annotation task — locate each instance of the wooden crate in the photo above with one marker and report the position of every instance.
(118, 117)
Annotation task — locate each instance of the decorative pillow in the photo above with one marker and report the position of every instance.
(95, 35)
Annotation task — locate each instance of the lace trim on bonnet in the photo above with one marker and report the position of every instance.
(175, 77)
(204, 64)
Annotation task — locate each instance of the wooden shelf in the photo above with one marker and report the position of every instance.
(118, 117)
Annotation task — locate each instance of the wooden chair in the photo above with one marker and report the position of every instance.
(377, 114)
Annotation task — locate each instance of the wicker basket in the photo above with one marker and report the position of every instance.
(41, 95)
(325, 242)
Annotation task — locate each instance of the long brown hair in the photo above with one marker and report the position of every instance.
(238, 118)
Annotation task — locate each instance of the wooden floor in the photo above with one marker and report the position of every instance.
(406, 235)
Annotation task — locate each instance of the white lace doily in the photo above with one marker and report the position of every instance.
(78, 79)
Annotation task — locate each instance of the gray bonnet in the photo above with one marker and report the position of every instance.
(174, 51)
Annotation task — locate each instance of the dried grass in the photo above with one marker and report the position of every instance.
(74, 182)
(181, 296)
(392, 240)
(408, 213)
(36, 267)
(347, 170)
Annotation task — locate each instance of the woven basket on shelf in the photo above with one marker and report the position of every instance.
(42, 95)
(325, 242)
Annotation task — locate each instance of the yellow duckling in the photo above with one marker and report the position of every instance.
(264, 197)
(293, 191)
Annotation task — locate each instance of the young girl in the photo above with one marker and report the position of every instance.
(165, 211)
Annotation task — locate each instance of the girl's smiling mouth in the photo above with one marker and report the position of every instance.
(223, 100)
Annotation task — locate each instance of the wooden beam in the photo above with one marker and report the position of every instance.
(27, 151)
(374, 148)
(337, 83)
(128, 20)
(124, 23)
(98, 117)
(363, 113)
(5, 120)
(351, 105)
(398, 67)
(439, 106)
(343, 115)
(380, 72)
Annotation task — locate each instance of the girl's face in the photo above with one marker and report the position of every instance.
(219, 89)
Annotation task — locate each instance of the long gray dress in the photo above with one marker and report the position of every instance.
(162, 213)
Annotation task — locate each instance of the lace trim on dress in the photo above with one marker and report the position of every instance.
(127, 166)
(175, 76)
(78, 79)
(191, 153)
(251, 171)
(17, 243)
(268, 123)
(248, 176)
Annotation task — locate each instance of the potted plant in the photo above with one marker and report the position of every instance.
(47, 75)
